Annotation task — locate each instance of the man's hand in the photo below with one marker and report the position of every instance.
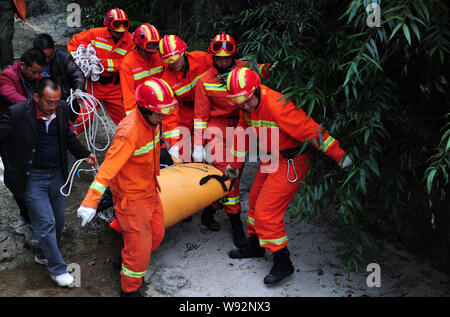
(92, 160)
(197, 155)
(272, 67)
(231, 172)
(86, 214)
(174, 152)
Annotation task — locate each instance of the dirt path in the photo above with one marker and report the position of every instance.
(193, 261)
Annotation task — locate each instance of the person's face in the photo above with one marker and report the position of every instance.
(32, 72)
(115, 34)
(178, 65)
(49, 100)
(145, 54)
(155, 118)
(49, 54)
(250, 104)
(223, 62)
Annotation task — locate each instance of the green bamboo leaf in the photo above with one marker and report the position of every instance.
(416, 30)
(397, 27)
(430, 180)
(407, 34)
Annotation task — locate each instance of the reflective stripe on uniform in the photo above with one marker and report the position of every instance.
(102, 45)
(147, 148)
(98, 187)
(279, 241)
(148, 73)
(250, 221)
(328, 142)
(120, 51)
(200, 124)
(130, 273)
(237, 153)
(215, 87)
(231, 200)
(171, 134)
(110, 65)
(188, 87)
(262, 124)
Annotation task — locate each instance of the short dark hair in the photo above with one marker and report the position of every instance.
(34, 55)
(43, 41)
(44, 83)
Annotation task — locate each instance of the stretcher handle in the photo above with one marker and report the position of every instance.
(221, 179)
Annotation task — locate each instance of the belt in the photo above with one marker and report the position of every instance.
(188, 103)
(292, 152)
(105, 80)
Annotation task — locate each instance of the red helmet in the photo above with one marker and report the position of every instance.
(117, 20)
(241, 84)
(222, 45)
(171, 48)
(156, 95)
(146, 37)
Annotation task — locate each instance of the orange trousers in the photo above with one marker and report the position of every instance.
(269, 198)
(220, 147)
(111, 97)
(142, 225)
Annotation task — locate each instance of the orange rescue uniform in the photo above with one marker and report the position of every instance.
(135, 70)
(212, 110)
(183, 84)
(130, 168)
(107, 90)
(275, 185)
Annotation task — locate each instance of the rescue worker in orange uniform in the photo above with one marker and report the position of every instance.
(111, 42)
(182, 70)
(138, 66)
(212, 111)
(275, 185)
(130, 168)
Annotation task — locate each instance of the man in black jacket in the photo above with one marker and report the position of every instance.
(35, 135)
(61, 67)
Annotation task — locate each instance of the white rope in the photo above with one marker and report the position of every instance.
(88, 105)
(86, 58)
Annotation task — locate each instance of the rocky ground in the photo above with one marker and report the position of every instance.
(192, 261)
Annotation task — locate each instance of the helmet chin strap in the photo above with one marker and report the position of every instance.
(146, 113)
(224, 70)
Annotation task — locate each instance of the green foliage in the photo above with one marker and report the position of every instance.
(381, 91)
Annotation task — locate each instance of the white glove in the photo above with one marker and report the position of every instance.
(174, 151)
(345, 162)
(231, 172)
(274, 65)
(86, 214)
(197, 155)
(207, 154)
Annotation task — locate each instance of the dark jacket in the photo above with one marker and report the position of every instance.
(68, 75)
(18, 139)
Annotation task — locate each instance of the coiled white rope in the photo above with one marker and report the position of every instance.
(88, 105)
(86, 58)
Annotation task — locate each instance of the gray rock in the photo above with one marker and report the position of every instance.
(3, 236)
(168, 280)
